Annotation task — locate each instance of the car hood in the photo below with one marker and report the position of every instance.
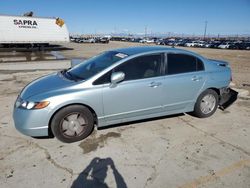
(47, 83)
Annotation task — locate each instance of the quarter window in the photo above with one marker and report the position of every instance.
(182, 63)
(199, 65)
(105, 79)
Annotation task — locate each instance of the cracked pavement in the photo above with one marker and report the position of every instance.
(173, 151)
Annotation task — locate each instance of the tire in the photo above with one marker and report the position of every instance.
(72, 123)
(206, 104)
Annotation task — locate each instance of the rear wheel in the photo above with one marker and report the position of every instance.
(72, 123)
(206, 104)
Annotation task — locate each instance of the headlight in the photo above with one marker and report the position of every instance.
(20, 103)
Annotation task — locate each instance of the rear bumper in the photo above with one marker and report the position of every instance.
(227, 97)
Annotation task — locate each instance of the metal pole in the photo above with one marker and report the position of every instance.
(205, 30)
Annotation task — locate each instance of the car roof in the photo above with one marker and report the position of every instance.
(144, 49)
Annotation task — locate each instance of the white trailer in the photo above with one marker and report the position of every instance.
(30, 31)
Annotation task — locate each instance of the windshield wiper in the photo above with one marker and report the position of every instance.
(73, 76)
(70, 75)
(67, 75)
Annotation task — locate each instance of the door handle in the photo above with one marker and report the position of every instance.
(196, 78)
(154, 84)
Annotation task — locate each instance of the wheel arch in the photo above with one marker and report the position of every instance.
(50, 133)
(215, 89)
(197, 111)
(212, 88)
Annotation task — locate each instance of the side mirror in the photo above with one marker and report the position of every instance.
(117, 77)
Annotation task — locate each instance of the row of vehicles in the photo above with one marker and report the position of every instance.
(104, 39)
(222, 44)
(186, 42)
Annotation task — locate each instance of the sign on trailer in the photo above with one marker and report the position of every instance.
(26, 30)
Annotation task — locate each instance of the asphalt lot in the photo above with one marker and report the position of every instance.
(173, 151)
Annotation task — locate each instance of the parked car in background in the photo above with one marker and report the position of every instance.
(162, 42)
(201, 44)
(86, 40)
(135, 39)
(240, 45)
(236, 45)
(147, 40)
(72, 39)
(191, 44)
(150, 41)
(214, 44)
(208, 45)
(180, 42)
(225, 45)
(170, 42)
(102, 40)
(246, 46)
(119, 86)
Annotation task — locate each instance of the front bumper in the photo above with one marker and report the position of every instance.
(31, 122)
(227, 97)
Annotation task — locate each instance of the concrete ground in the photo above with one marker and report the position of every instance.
(173, 151)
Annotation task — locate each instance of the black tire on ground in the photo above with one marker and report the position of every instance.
(199, 111)
(72, 123)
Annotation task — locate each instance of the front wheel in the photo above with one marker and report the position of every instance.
(206, 104)
(72, 123)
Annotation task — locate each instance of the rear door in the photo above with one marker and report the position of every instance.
(185, 77)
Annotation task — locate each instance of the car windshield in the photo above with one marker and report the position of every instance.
(92, 66)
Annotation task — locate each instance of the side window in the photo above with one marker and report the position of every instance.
(137, 68)
(182, 63)
(141, 67)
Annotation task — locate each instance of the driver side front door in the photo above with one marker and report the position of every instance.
(139, 95)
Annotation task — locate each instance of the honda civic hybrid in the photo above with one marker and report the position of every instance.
(122, 85)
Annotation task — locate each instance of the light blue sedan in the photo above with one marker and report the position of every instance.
(119, 86)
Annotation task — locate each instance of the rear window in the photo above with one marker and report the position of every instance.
(182, 63)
